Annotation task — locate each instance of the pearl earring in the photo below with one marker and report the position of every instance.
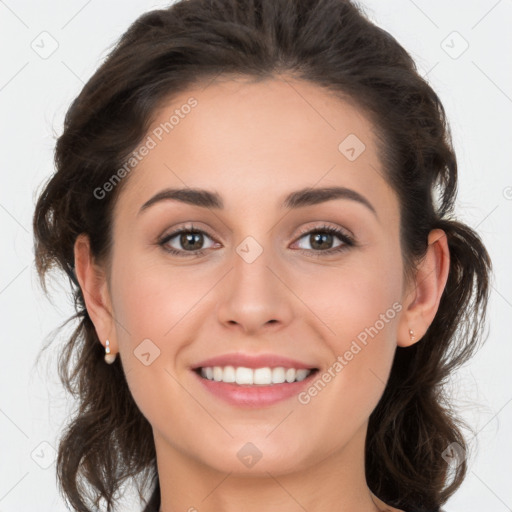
(109, 358)
(411, 334)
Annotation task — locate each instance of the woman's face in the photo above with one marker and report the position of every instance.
(271, 281)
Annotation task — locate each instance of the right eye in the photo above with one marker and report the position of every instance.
(190, 239)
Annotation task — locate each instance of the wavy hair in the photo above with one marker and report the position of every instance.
(329, 43)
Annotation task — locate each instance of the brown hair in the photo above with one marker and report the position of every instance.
(332, 44)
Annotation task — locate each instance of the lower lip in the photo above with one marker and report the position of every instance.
(256, 395)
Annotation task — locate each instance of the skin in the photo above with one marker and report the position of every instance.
(253, 143)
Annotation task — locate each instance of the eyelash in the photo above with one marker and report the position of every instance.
(347, 240)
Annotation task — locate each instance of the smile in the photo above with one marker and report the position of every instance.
(252, 388)
(254, 376)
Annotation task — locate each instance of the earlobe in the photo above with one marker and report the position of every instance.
(93, 283)
(421, 304)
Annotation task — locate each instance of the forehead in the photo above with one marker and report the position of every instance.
(247, 139)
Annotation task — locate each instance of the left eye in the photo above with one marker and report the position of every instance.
(320, 238)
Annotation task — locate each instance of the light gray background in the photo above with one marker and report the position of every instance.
(476, 89)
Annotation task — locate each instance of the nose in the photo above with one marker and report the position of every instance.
(255, 295)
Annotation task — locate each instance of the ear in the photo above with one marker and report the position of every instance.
(93, 282)
(421, 300)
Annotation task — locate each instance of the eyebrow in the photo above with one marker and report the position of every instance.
(298, 199)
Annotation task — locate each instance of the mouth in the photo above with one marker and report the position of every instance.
(253, 388)
(264, 376)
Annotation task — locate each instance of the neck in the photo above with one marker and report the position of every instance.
(337, 482)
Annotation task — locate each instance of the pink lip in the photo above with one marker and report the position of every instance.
(254, 396)
(248, 361)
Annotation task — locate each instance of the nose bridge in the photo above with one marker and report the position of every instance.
(252, 275)
(252, 265)
(254, 293)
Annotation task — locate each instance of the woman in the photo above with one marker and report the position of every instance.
(292, 356)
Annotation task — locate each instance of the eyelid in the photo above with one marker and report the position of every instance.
(325, 225)
(343, 234)
(185, 228)
(347, 240)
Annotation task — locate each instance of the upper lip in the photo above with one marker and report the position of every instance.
(253, 361)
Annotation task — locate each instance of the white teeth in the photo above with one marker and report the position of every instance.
(259, 376)
(278, 375)
(229, 374)
(302, 374)
(263, 376)
(243, 375)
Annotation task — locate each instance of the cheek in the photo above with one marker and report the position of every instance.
(360, 307)
(353, 299)
(150, 299)
(151, 306)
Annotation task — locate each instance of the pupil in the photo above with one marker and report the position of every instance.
(323, 237)
(189, 237)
